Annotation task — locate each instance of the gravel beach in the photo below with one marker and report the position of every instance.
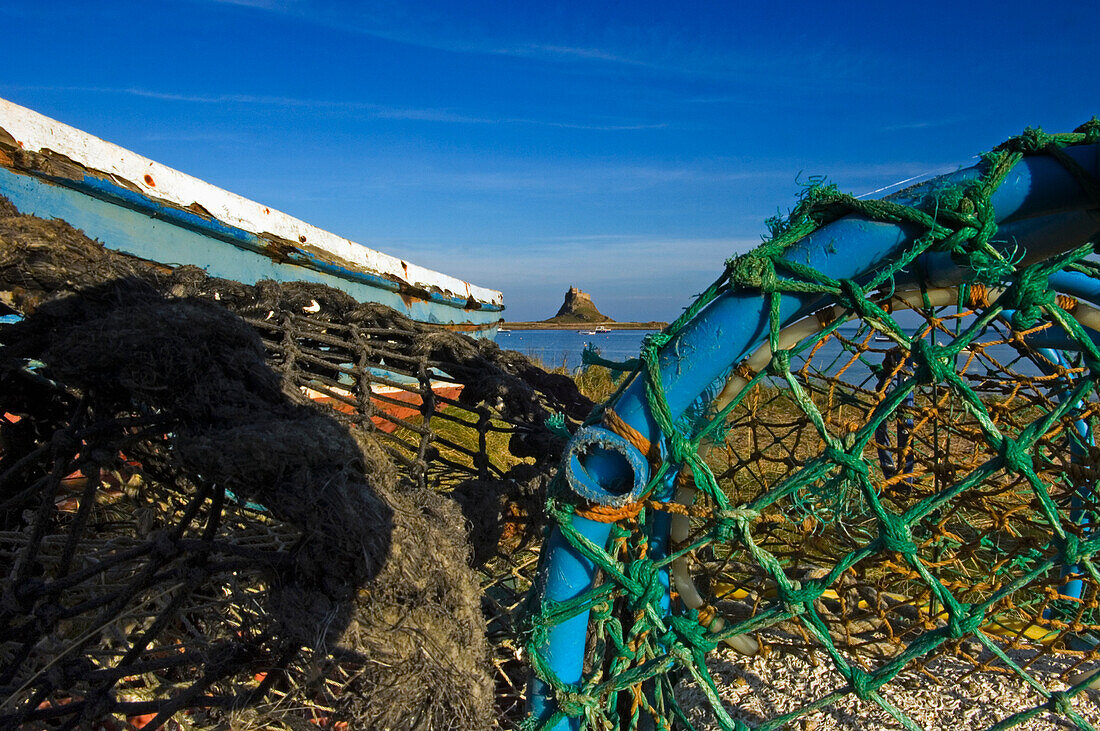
(760, 688)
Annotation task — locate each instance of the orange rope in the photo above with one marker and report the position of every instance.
(1067, 303)
(613, 422)
(608, 514)
(978, 296)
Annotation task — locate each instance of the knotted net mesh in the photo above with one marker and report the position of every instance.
(898, 489)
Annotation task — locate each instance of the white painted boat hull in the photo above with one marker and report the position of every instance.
(140, 207)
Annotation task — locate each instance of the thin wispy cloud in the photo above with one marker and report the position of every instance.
(737, 99)
(390, 26)
(270, 5)
(279, 101)
(608, 50)
(544, 179)
(628, 251)
(924, 124)
(591, 127)
(550, 51)
(205, 137)
(673, 57)
(629, 255)
(441, 115)
(377, 111)
(430, 115)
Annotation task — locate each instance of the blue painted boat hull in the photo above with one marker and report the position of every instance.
(136, 206)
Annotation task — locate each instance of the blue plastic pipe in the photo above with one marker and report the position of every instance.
(566, 574)
(603, 468)
(1040, 208)
(1079, 443)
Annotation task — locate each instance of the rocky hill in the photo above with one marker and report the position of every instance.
(578, 307)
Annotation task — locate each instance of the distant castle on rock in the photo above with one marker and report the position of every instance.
(578, 307)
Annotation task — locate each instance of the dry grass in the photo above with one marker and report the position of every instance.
(598, 383)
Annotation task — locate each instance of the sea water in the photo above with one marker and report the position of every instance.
(563, 348)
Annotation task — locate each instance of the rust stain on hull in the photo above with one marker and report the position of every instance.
(278, 249)
(56, 168)
(6, 140)
(410, 294)
(198, 209)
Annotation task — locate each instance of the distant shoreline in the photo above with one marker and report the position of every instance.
(583, 325)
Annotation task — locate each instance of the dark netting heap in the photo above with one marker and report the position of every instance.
(187, 537)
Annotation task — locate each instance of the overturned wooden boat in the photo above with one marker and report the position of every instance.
(135, 205)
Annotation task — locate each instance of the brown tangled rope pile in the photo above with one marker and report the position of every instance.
(185, 539)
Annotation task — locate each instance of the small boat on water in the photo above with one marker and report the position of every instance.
(135, 205)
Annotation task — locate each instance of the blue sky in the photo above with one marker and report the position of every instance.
(627, 148)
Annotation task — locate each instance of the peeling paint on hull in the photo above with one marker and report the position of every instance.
(95, 186)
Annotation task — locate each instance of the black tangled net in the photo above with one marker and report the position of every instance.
(187, 538)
